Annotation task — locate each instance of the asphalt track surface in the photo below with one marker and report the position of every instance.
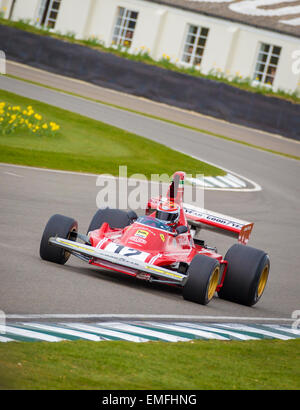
(30, 196)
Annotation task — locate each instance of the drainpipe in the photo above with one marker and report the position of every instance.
(11, 11)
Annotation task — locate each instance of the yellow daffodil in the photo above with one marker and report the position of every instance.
(54, 126)
(13, 117)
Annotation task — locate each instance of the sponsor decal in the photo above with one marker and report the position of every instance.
(138, 240)
(162, 237)
(141, 233)
(213, 218)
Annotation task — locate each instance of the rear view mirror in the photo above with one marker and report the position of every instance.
(181, 229)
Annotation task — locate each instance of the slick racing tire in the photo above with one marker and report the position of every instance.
(63, 227)
(246, 276)
(116, 218)
(203, 278)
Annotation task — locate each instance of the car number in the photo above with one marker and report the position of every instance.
(125, 251)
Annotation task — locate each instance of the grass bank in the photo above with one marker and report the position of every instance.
(86, 145)
(217, 365)
(178, 124)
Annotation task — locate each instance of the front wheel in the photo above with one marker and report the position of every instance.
(203, 278)
(246, 276)
(63, 227)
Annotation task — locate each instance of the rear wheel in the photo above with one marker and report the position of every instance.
(64, 227)
(203, 278)
(116, 218)
(246, 276)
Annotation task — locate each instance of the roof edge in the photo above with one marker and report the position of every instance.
(233, 20)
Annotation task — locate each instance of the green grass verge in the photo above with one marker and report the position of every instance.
(87, 145)
(178, 124)
(266, 364)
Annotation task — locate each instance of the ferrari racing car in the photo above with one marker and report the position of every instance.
(163, 246)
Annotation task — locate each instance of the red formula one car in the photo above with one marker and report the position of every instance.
(161, 247)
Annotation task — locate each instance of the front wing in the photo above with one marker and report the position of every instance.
(95, 255)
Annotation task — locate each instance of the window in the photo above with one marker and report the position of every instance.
(267, 63)
(124, 27)
(194, 45)
(48, 12)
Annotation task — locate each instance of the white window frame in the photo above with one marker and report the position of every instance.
(40, 12)
(194, 46)
(122, 27)
(263, 76)
(48, 18)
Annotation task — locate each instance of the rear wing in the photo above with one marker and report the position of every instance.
(210, 220)
(217, 222)
(202, 218)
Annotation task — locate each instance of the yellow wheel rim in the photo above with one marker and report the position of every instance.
(213, 283)
(263, 281)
